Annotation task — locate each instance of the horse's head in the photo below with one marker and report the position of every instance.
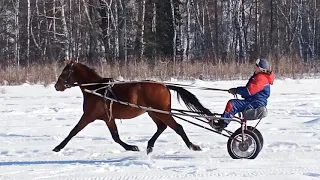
(66, 78)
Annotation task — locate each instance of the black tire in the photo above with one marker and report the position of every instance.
(235, 147)
(257, 132)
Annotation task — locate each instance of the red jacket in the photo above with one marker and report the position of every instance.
(257, 88)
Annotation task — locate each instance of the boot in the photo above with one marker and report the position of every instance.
(218, 126)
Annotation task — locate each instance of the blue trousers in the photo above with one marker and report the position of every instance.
(235, 106)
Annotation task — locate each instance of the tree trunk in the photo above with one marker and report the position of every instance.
(105, 26)
(188, 42)
(28, 31)
(142, 43)
(17, 34)
(271, 27)
(65, 30)
(216, 27)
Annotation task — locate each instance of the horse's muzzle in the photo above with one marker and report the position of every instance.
(59, 87)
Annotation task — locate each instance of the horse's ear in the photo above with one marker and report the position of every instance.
(68, 61)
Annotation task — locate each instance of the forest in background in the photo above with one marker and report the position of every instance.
(140, 39)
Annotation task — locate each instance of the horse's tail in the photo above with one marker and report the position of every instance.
(190, 100)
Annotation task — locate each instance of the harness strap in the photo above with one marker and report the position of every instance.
(126, 103)
(108, 89)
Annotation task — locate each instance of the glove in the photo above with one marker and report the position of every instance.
(232, 91)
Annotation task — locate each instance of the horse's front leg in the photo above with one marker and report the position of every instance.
(114, 133)
(84, 121)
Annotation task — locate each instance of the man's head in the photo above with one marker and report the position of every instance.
(262, 65)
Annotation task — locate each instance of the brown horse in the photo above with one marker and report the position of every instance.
(146, 93)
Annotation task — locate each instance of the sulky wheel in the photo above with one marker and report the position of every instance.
(247, 147)
(256, 131)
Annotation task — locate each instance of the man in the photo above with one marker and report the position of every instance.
(255, 93)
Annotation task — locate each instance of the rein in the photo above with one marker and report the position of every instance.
(196, 87)
(107, 83)
(69, 85)
(125, 82)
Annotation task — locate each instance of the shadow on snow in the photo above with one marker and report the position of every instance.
(121, 161)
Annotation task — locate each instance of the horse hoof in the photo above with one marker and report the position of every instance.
(149, 150)
(56, 149)
(135, 148)
(195, 147)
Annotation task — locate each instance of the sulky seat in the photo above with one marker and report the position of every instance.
(255, 114)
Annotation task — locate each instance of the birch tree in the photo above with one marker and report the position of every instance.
(28, 31)
(17, 32)
(65, 30)
(125, 30)
(143, 13)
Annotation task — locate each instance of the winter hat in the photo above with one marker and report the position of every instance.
(263, 64)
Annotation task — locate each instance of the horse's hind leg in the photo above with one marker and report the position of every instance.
(168, 120)
(114, 133)
(160, 128)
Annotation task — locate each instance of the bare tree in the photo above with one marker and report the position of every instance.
(174, 31)
(122, 30)
(65, 30)
(143, 13)
(17, 32)
(28, 32)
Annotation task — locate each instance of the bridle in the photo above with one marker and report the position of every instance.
(70, 71)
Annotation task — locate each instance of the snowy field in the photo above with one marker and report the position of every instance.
(34, 119)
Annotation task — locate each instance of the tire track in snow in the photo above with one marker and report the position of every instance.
(225, 173)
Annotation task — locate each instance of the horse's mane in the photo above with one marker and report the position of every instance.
(90, 70)
(107, 80)
(94, 73)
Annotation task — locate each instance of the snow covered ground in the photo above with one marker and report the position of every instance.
(34, 119)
